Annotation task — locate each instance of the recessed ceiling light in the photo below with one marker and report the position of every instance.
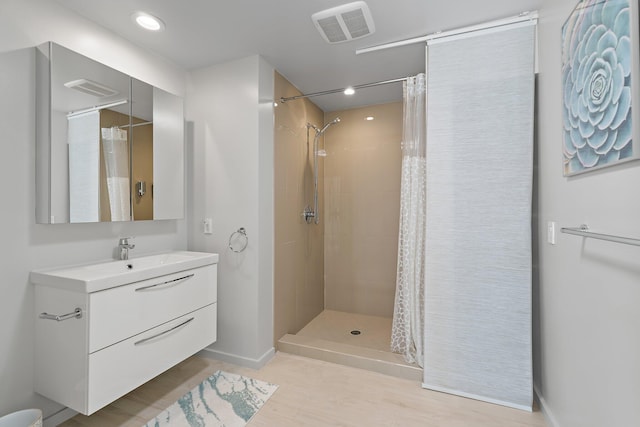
(349, 91)
(147, 21)
(369, 118)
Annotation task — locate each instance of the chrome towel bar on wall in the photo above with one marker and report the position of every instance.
(583, 231)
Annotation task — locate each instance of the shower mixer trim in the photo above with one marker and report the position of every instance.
(308, 214)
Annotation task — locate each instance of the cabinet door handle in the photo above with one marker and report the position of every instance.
(168, 282)
(142, 341)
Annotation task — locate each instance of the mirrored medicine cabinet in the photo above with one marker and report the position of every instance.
(109, 147)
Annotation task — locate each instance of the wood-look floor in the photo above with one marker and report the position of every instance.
(315, 393)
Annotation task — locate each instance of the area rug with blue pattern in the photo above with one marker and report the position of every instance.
(222, 400)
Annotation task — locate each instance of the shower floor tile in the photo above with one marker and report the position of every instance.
(336, 326)
(328, 337)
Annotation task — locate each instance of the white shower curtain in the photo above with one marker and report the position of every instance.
(116, 158)
(408, 317)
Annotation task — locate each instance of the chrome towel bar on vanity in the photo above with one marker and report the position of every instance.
(77, 314)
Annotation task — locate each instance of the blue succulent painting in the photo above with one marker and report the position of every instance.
(596, 79)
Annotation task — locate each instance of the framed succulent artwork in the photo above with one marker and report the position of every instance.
(599, 67)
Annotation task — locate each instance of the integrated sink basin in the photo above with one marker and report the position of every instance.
(105, 275)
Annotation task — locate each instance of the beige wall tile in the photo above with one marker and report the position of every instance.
(362, 193)
(350, 257)
(299, 247)
(285, 288)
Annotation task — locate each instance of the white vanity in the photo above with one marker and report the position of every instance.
(104, 329)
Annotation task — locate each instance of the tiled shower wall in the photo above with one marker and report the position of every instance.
(299, 256)
(362, 208)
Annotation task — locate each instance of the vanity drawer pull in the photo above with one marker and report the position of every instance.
(142, 341)
(168, 282)
(77, 313)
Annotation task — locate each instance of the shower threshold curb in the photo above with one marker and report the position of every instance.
(344, 354)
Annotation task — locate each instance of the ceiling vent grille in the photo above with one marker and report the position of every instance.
(343, 23)
(90, 87)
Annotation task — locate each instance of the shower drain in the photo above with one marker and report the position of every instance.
(355, 332)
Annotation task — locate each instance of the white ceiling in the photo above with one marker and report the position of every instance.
(206, 32)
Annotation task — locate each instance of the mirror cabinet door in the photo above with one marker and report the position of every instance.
(168, 155)
(83, 120)
(142, 148)
(97, 150)
(157, 153)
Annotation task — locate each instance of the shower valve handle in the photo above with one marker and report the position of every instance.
(308, 214)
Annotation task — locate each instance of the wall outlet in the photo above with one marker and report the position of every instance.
(207, 226)
(551, 232)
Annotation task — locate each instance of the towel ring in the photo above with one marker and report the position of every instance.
(238, 240)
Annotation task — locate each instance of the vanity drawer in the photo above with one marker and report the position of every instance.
(118, 313)
(116, 370)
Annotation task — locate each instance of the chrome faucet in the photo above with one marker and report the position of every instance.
(124, 247)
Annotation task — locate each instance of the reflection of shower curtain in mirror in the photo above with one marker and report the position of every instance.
(84, 167)
(116, 159)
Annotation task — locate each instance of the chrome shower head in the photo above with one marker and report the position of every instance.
(332, 122)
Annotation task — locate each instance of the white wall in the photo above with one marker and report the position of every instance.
(25, 23)
(588, 344)
(25, 245)
(230, 143)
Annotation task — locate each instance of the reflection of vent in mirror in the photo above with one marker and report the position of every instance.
(343, 23)
(90, 87)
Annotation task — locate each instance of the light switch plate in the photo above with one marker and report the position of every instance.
(551, 232)
(208, 226)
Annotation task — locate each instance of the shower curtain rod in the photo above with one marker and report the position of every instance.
(328, 92)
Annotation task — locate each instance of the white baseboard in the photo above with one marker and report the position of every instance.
(59, 417)
(544, 408)
(238, 360)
